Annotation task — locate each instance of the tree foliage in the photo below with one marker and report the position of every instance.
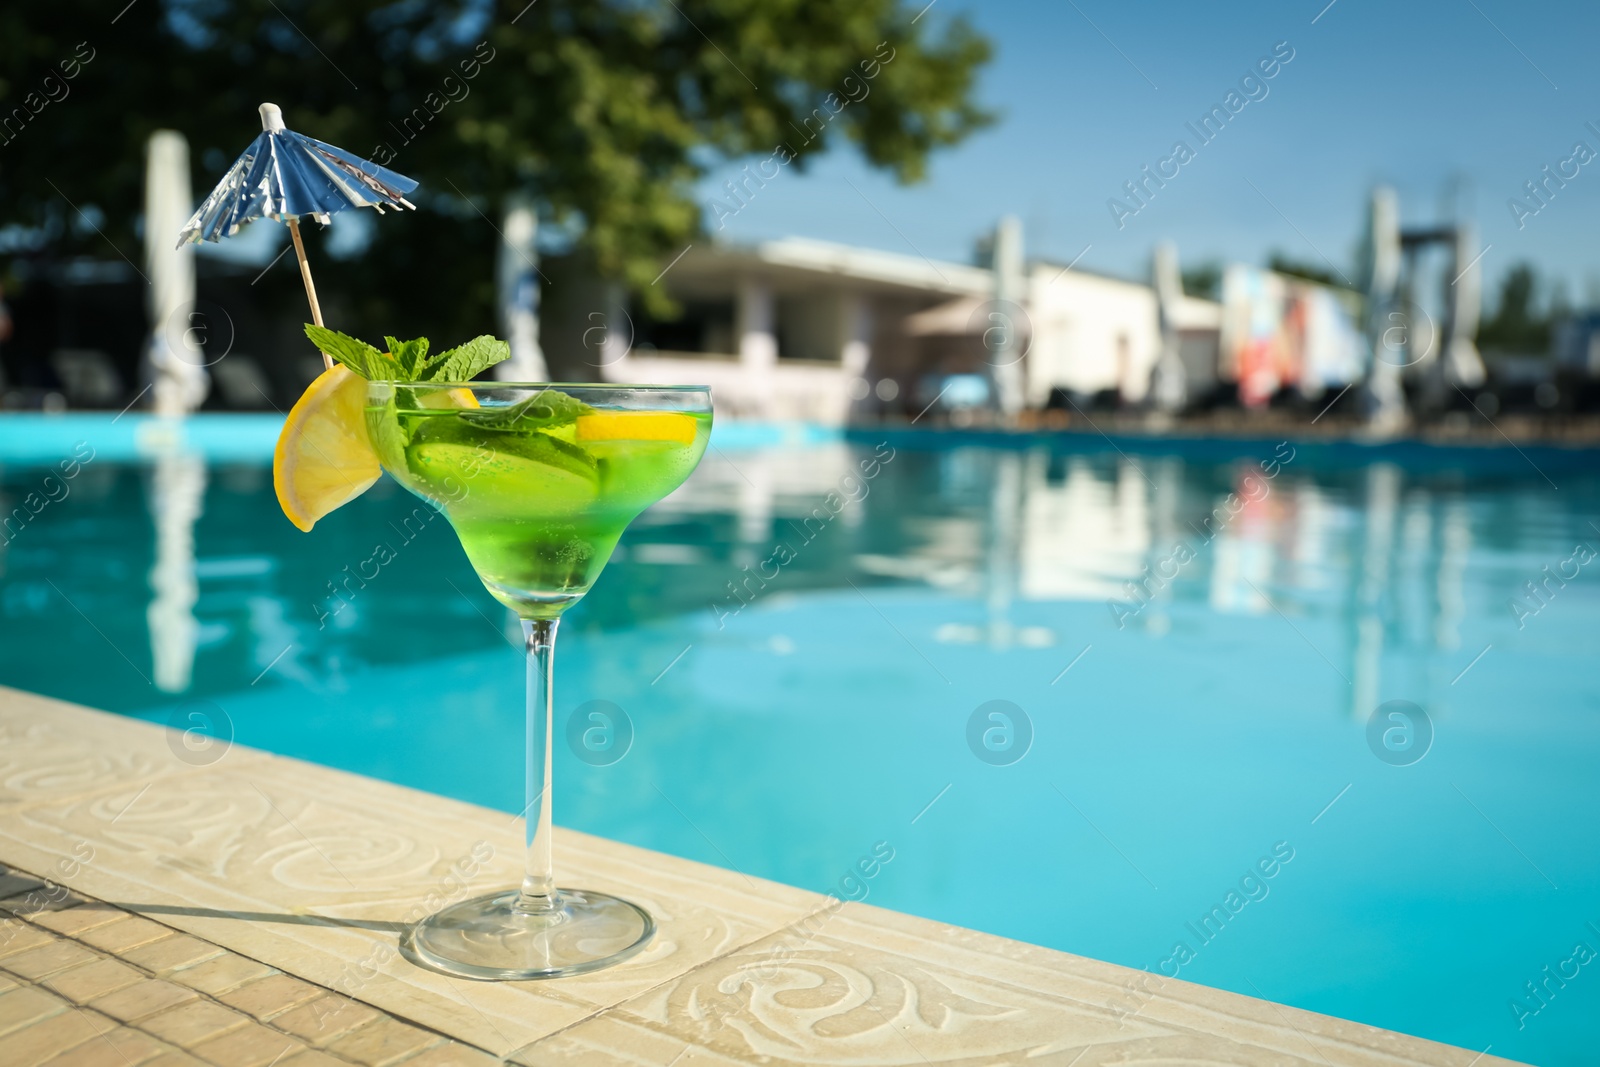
(606, 112)
(1311, 272)
(1203, 280)
(1517, 326)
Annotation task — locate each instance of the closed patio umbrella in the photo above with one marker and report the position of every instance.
(177, 377)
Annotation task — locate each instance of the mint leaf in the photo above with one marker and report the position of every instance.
(356, 354)
(408, 361)
(463, 363)
(409, 356)
(547, 407)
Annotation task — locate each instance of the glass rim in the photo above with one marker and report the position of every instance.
(610, 386)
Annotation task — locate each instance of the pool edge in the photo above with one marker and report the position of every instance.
(308, 871)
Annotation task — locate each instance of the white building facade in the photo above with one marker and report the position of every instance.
(808, 330)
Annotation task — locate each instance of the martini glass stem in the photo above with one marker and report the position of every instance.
(539, 894)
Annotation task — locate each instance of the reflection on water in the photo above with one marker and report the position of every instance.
(1388, 563)
(800, 635)
(1383, 491)
(177, 489)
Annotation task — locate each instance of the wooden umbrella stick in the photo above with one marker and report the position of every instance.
(305, 276)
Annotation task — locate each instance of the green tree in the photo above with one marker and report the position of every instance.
(1203, 280)
(1517, 325)
(605, 111)
(1282, 264)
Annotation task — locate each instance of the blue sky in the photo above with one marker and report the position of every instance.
(1412, 94)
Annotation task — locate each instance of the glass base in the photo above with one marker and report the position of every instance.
(488, 938)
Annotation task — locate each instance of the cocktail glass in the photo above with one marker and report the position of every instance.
(538, 481)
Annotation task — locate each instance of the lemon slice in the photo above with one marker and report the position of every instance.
(323, 459)
(636, 426)
(448, 398)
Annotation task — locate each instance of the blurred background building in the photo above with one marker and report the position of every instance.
(798, 328)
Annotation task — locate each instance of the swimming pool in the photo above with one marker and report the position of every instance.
(1182, 776)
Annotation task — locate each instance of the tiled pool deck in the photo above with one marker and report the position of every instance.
(244, 914)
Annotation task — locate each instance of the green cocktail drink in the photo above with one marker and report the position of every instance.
(539, 481)
(539, 498)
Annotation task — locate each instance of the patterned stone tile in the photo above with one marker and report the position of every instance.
(190, 1024)
(300, 879)
(325, 1019)
(25, 1006)
(172, 953)
(870, 986)
(312, 1058)
(32, 1045)
(144, 998)
(174, 1058)
(251, 1045)
(225, 972)
(49, 897)
(272, 995)
(117, 1047)
(18, 937)
(13, 884)
(317, 871)
(51, 750)
(49, 959)
(83, 984)
(454, 1054)
(124, 934)
(382, 1042)
(74, 921)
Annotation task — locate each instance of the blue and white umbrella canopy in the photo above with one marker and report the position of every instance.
(284, 175)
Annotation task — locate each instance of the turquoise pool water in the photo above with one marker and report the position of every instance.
(1161, 747)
